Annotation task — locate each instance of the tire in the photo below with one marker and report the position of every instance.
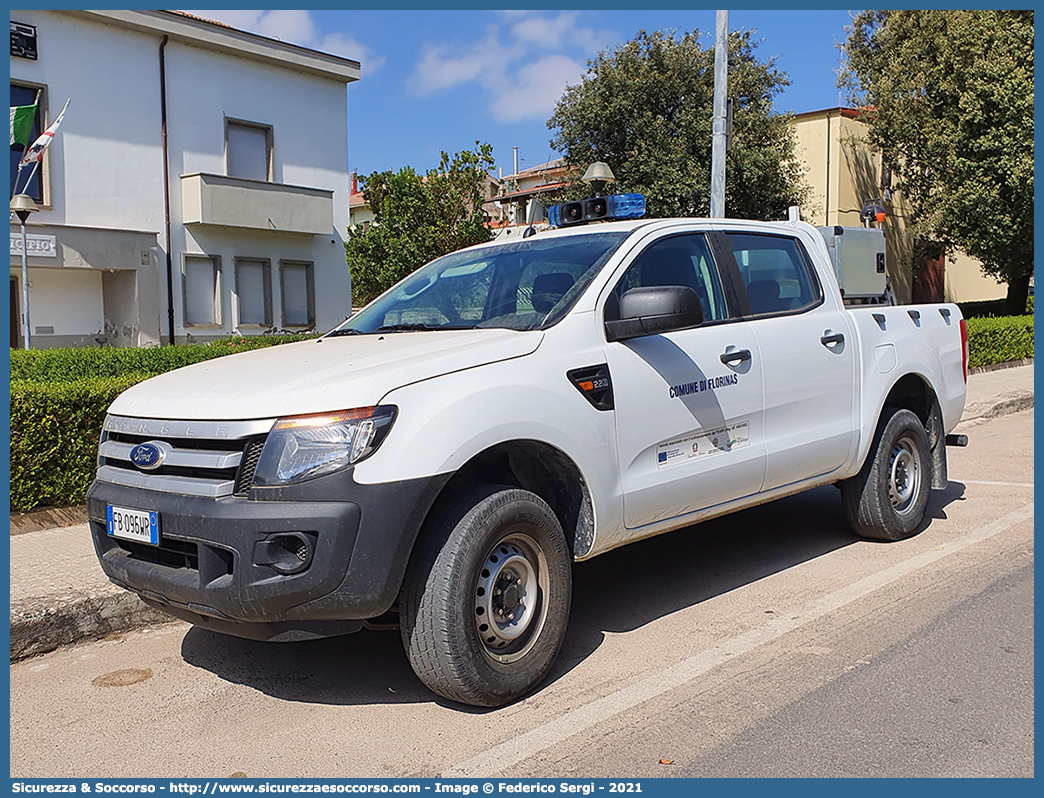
(887, 499)
(486, 601)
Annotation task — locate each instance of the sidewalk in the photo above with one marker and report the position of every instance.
(997, 393)
(59, 594)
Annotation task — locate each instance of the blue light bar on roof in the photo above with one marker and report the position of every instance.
(613, 207)
(553, 215)
(627, 206)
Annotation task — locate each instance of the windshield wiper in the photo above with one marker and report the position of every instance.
(405, 327)
(415, 326)
(410, 327)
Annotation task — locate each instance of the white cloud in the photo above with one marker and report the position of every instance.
(545, 31)
(296, 27)
(288, 26)
(346, 47)
(561, 31)
(592, 40)
(523, 63)
(537, 88)
(484, 63)
(436, 71)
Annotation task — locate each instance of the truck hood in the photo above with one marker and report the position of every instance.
(316, 376)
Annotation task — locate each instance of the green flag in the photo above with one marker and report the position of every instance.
(22, 118)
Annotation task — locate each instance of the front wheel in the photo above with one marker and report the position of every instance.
(887, 499)
(486, 602)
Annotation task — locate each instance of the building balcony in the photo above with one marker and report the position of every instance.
(222, 201)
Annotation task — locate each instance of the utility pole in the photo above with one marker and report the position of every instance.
(721, 79)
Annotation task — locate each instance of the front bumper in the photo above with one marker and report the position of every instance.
(210, 567)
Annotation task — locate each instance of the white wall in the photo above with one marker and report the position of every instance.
(361, 214)
(105, 163)
(309, 122)
(70, 300)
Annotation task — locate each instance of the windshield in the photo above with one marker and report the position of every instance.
(524, 285)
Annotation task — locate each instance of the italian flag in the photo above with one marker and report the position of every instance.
(22, 117)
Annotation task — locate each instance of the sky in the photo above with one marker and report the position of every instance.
(437, 81)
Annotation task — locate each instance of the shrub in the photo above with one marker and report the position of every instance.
(999, 340)
(989, 308)
(55, 427)
(58, 403)
(62, 365)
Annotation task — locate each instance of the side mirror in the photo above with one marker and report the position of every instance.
(653, 310)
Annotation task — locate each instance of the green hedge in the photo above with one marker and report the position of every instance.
(58, 403)
(990, 307)
(59, 398)
(63, 365)
(55, 428)
(999, 340)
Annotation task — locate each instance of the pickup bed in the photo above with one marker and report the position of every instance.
(442, 458)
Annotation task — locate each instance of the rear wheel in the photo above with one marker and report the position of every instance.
(887, 499)
(485, 603)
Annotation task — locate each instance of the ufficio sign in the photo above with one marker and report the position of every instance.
(38, 246)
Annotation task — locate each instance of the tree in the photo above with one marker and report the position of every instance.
(418, 218)
(950, 101)
(646, 110)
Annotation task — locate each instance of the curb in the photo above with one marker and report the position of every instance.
(40, 625)
(1008, 364)
(980, 412)
(48, 518)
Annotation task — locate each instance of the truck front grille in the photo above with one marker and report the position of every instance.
(251, 456)
(171, 553)
(198, 458)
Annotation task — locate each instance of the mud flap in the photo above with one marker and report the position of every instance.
(937, 444)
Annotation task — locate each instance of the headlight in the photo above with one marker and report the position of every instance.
(303, 447)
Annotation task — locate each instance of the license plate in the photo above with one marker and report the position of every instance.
(141, 526)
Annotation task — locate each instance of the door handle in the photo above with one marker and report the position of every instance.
(739, 356)
(830, 340)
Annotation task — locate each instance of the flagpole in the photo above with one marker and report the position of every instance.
(18, 176)
(28, 179)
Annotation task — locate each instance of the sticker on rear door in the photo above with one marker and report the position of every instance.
(702, 444)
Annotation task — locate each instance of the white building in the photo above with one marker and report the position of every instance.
(252, 134)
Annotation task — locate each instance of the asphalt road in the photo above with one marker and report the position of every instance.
(768, 643)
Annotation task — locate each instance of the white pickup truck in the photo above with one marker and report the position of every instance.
(446, 454)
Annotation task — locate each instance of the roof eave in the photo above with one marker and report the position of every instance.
(201, 33)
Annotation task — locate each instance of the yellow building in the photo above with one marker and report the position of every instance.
(843, 173)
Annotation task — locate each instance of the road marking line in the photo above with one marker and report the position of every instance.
(510, 752)
(1002, 484)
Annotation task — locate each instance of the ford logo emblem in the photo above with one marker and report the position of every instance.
(148, 456)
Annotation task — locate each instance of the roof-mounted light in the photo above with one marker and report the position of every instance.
(597, 209)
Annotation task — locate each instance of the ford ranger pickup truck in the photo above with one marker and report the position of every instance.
(443, 457)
